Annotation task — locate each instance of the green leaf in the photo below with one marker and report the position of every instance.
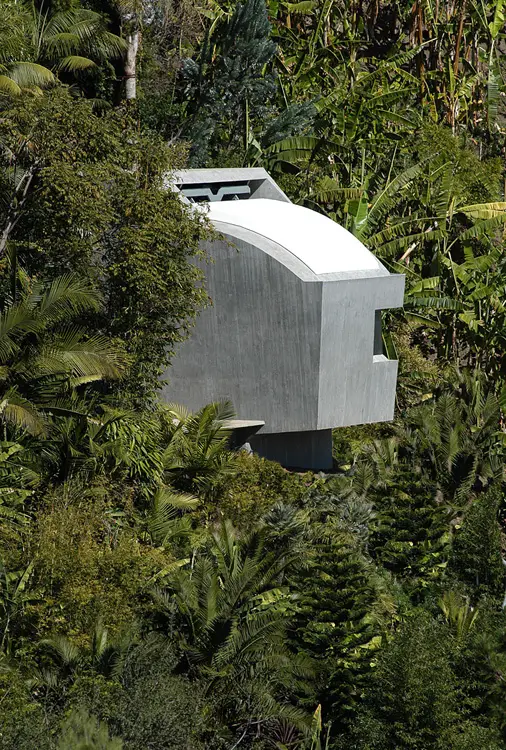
(422, 320)
(434, 303)
(484, 210)
(305, 6)
(498, 21)
(27, 74)
(483, 228)
(73, 63)
(425, 284)
(9, 86)
(381, 201)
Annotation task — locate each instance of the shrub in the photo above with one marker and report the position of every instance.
(258, 485)
(83, 732)
(83, 573)
(150, 705)
(23, 724)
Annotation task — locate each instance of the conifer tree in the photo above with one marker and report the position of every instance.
(411, 538)
(414, 701)
(228, 84)
(476, 554)
(231, 91)
(331, 627)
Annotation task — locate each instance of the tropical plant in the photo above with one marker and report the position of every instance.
(18, 480)
(38, 46)
(331, 625)
(456, 438)
(360, 610)
(418, 665)
(476, 554)
(64, 659)
(197, 457)
(14, 595)
(84, 732)
(233, 605)
(451, 441)
(94, 196)
(44, 355)
(459, 614)
(168, 517)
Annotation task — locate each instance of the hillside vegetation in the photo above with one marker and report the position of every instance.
(158, 591)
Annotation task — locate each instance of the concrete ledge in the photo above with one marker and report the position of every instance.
(241, 430)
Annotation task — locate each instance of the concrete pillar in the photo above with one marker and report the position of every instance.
(311, 449)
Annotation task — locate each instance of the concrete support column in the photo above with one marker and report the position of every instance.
(311, 449)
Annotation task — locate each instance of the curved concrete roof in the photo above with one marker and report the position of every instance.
(320, 243)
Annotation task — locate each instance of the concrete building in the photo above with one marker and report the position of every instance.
(293, 336)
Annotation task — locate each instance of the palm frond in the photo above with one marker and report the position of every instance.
(9, 86)
(89, 358)
(20, 413)
(27, 74)
(166, 505)
(14, 322)
(66, 294)
(63, 651)
(74, 63)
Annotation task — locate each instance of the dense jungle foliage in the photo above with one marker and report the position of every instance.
(156, 589)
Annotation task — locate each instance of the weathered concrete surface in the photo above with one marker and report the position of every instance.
(261, 183)
(296, 353)
(241, 430)
(298, 350)
(258, 345)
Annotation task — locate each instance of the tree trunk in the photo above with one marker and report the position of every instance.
(133, 39)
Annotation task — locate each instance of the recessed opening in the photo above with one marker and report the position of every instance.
(216, 191)
(378, 333)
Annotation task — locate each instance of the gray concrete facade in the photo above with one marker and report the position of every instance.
(293, 348)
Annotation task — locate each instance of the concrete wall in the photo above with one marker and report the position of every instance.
(356, 386)
(286, 346)
(260, 182)
(258, 345)
(300, 351)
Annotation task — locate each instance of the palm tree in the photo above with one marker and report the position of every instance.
(104, 655)
(233, 607)
(45, 356)
(230, 598)
(36, 46)
(168, 517)
(197, 457)
(452, 439)
(456, 438)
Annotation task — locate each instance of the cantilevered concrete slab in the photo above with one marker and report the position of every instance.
(293, 335)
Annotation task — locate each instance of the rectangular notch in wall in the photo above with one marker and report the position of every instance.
(378, 334)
